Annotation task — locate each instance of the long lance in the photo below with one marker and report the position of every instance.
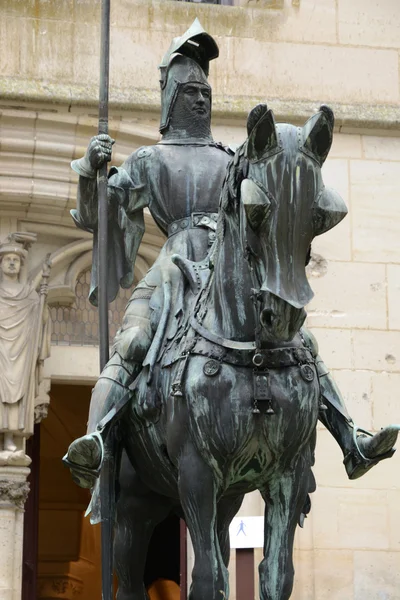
(102, 186)
(107, 476)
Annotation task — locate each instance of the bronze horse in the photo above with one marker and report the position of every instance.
(228, 400)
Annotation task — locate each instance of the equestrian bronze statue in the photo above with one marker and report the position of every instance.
(219, 385)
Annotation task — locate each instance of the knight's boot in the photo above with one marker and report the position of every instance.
(85, 454)
(361, 449)
(132, 342)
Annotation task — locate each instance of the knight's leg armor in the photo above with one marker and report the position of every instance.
(361, 449)
(131, 344)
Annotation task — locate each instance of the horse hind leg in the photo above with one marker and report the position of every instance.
(198, 493)
(138, 512)
(284, 501)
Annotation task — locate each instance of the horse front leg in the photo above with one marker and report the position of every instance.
(284, 501)
(227, 509)
(198, 496)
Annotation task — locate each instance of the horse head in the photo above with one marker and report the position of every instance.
(283, 206)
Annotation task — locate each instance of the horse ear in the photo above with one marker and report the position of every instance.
(262, 133)
(318, 134)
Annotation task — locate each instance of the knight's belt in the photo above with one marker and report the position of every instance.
(277, 358)
(196, 219)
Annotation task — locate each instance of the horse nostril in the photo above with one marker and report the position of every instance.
(266, 317)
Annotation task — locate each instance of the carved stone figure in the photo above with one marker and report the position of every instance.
(219, 384)
(24, 343)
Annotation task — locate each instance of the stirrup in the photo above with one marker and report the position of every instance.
(79, 469)
(356, 463)
(357, 429)
(87, 471)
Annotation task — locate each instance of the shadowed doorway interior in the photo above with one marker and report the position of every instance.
(69, 561)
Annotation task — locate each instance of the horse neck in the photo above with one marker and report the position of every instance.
(230, 308)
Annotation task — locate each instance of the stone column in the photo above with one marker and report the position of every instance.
(13, 493)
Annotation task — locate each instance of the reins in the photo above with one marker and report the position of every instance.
(198, 315)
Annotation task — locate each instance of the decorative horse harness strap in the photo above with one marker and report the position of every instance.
(242, 354)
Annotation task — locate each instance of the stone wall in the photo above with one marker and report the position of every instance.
(355, 525)
(349, 548)
(297, 53)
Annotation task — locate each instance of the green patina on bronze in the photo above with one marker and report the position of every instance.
(214, 386)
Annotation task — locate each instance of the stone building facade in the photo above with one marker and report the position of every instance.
(295, 54)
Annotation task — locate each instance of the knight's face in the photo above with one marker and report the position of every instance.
(191, 112)
(11, 264)
(196, 98)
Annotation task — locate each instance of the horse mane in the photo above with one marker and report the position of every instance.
(235, 173)
(233, 178)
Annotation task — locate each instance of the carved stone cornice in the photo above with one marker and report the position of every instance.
(350, 115)
(13, 492)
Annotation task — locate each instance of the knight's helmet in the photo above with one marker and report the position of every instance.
(187, 60)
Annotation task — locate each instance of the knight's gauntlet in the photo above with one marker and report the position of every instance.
(83, 167)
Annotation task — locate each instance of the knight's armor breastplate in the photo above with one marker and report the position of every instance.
(191, 179)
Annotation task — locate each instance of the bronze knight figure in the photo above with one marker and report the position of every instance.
(183, 302)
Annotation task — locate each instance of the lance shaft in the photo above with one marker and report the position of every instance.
(107, 476)
(102, 187)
